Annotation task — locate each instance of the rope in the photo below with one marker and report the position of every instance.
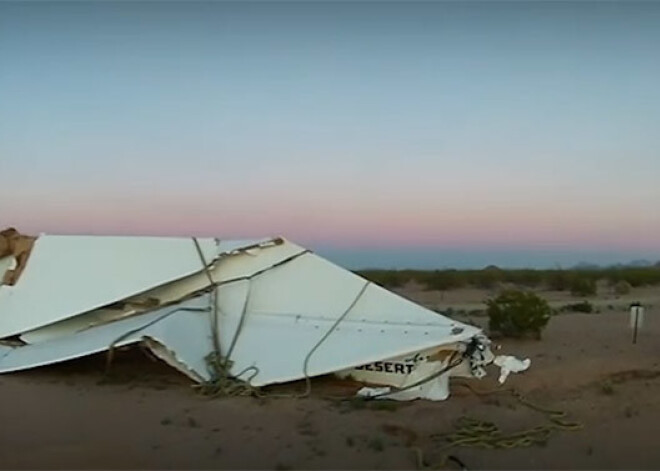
(308, 382)
(263, 270)
(214, 298)
(222, 383)
(110, 354)
(241, 322)
(125, 335)
(425, 380)
(555, 416)
(471, 432)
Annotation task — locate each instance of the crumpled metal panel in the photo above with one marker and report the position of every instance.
(233, 263)
(70, 275)
(184, 329)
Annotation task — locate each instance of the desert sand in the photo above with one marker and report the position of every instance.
(144, 415)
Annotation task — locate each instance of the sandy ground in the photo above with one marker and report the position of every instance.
(145, 415)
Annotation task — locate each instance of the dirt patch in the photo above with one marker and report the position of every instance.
(633, 375)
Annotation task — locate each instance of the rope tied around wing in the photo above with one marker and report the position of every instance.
(308, 384)
(221, 382)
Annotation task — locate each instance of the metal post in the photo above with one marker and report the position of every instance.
(636, 311)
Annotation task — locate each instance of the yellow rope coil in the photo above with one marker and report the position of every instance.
(471, 432)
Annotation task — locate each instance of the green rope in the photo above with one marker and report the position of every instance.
(471, 432)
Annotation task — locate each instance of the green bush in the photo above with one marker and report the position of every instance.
(487, 278)
(642, 276)
(579, 282)
(583, 286)
(523, 277)
(385, 278)
(517, 313)
(558, 280)
(622, 287)
(442, 280)
(584, 306)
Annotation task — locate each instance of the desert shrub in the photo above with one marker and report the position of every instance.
(640, 276)
(558, 280)
(523, 277)
(443, 280)
(487, 278)
(584, 306)
(386, 278)
(622, 287)
(516, 313)
(582, 286)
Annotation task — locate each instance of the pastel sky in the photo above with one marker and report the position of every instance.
(421, 134)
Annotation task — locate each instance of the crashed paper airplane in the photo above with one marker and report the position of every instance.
(274, 311)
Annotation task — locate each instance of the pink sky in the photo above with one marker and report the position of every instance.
(345, 221)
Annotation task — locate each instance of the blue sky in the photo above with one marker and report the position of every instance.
(519, 132)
